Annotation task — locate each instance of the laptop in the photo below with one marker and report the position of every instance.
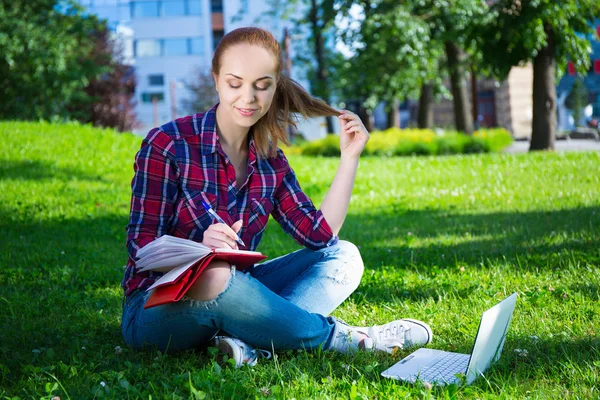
(444, 368)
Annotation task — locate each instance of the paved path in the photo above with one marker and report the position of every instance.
(560, 145)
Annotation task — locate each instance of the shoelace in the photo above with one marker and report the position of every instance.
(395, 331)
(256, 353)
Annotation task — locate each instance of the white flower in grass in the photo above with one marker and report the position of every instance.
(118, 350)
(534, 337)
(522, 352)
(56, 398)
(103, 384)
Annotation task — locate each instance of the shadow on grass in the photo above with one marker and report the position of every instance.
(522, 238)
(41, 170)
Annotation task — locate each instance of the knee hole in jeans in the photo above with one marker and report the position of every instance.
(212, 282)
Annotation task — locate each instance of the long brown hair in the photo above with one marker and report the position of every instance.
(289, 96)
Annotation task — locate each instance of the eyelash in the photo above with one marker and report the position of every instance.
(257, 88)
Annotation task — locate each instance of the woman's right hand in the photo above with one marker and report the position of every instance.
(221, 236)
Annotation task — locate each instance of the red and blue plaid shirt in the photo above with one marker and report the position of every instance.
(182, 164)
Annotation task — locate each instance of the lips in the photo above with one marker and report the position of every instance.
(246, 112)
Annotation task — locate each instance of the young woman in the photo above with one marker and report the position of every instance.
(228, 157)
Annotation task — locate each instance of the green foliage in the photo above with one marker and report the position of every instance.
(442, 239)
(44, 63)
(406, 142)
(329, 146)
(393, 56)
(516, 31)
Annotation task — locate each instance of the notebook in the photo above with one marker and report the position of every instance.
(182, 262)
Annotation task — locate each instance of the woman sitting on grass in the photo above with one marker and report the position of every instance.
(228, 157)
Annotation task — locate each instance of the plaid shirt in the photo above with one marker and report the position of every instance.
(182, 164)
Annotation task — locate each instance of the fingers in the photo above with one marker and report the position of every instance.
(220, 236)
(347, 115)
(237, 226)
(351, 124)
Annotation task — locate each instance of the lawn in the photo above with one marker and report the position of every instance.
(442, 238)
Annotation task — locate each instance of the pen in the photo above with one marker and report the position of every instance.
(212, 212)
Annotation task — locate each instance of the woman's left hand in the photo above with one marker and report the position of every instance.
(353, 134)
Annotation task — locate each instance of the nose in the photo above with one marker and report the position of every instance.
(249, 95)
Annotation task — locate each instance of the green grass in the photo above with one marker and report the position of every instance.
(443, 238)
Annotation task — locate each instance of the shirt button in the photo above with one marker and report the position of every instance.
(231, 212)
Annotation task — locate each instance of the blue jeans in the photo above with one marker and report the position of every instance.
(282, 303)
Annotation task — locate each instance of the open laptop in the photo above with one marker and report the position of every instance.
(443, 367)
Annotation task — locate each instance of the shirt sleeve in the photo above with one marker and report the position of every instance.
(296, 214)
(153, 191)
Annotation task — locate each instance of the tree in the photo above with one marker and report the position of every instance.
(547, 33)
(44, 59)
(203, 91)
(452, 25)
(111, 93)
(393, 55)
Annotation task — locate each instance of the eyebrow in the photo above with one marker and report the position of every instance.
(259, 79)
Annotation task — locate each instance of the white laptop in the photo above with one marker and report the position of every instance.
(443, 367)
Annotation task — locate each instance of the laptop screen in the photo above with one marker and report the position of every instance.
(490, 337)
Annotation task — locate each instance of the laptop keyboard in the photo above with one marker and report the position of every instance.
(445, 369)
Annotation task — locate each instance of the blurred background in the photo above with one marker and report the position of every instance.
(532, 68)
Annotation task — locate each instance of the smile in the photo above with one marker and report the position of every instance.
(246, 112)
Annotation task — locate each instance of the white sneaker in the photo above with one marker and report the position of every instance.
(396, 335)
(241, 352)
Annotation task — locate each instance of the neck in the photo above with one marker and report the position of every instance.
(231, 136)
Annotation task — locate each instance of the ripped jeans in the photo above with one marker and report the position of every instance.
(282, 303)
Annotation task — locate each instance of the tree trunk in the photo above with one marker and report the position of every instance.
(317, 32)
(460, 98)
(393, 115)
(425, 117)
(474, 98)
(365, 117)
(543, 129)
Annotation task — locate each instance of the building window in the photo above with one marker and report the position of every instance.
(156, 80)
(173, 8)
(216, 6)
(571, 68)
(217, 36)
(165, 8)
(149, 97)
(194, 7)
(196, 46)
(145, 9)
(147, 48)
(175, 47)
(597, 67)
(169, 47)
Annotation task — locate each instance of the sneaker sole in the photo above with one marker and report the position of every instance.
(424, 325)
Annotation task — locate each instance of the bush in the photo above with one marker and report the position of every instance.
(329, 146)
(406, 142)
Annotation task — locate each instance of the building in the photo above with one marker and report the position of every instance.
(168, 41)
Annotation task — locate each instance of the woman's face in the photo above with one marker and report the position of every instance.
(246, 83)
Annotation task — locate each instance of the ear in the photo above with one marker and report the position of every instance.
(216, 78)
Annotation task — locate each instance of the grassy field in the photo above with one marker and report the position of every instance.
(443, 238)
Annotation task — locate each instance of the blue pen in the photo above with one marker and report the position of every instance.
(212, 212)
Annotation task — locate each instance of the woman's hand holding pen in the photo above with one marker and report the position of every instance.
(220, 235)
(353, 135)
